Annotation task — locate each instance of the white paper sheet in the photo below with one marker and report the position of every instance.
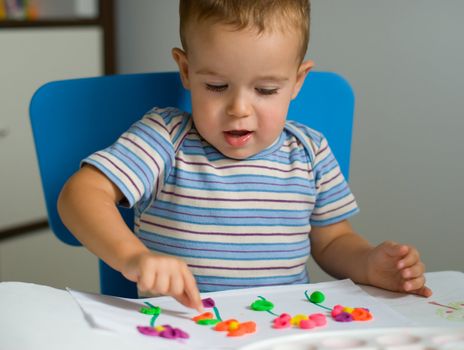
(445, 308)
(123, 316)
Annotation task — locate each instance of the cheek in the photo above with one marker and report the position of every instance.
(202, 100)
(200, 104)
(205, 114)
(273, 115)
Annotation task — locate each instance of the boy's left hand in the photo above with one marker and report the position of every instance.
(397, 267)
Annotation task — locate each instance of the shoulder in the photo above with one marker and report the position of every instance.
(171, 123)
(309, 139)
(167, 118)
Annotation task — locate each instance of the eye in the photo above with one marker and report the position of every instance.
(216, 88)
(263, 91)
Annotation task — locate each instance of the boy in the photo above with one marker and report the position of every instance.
(231, 193)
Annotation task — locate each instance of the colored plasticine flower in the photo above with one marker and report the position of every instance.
(348, 314)
(234, 328)
(361, 314)
(301, 321)
(164, 331)
(208, 303)
(283, 321)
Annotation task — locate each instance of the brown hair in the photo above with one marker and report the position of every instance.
(240, 14)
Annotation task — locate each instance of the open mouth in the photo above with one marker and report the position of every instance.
(238, 133)
(238, 138)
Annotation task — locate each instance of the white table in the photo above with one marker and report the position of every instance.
(40, 317)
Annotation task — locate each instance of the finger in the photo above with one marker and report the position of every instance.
(414, 284)
(423, 291)
(184, 299)
(146, 281)
(176, 285)
(410, 259)
(191, 292)
(394, 249)
(161, 284)
(414, 271)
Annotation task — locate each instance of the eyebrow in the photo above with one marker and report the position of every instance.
(206, 72)
(259, 78)
(272, 78)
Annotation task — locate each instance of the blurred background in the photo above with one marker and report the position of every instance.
(404, 60)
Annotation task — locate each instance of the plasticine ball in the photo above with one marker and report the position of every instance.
(233, 325)
(317, 297)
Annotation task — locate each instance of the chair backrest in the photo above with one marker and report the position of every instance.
(72, 118)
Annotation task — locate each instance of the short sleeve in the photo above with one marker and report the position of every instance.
(140, 160)
(334, 200)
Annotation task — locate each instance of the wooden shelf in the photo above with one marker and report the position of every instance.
(105, 20)
(49, 23)
(23, 229)
(101, 43)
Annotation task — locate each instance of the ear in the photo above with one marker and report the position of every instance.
(182, 62)
(303, 71)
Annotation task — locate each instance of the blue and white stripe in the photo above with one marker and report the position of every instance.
(236, 223)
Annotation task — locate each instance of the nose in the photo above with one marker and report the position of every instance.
(238, 105)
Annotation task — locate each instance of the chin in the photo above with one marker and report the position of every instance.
(238, 154)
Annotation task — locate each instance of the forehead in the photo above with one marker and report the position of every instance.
(220, 42)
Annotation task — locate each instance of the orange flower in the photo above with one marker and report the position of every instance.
(235, 328)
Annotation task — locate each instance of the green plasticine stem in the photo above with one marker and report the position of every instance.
(309, 299)
(216, 312)
(269, 311)
(152, 321)
(272, 313)
(149, 304)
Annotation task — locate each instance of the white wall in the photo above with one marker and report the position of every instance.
(39, 257)
(405, 61)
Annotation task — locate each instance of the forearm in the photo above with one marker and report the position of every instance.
(92, 216)
(346, 257)
(340, 251)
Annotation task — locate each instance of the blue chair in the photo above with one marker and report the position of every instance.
(72, 118)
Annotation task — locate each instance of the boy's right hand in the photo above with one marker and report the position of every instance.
(167, 275)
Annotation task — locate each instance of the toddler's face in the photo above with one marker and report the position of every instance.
(241, 84)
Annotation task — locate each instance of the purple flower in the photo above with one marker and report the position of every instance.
(148, 331)
(208, 302)
(173, 333)
(168, 332)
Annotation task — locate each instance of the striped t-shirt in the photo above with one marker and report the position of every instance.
(236, 223)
